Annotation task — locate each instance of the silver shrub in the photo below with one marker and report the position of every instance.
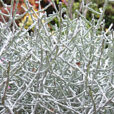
(65, 71)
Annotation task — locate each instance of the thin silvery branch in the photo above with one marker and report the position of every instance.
(64, 69)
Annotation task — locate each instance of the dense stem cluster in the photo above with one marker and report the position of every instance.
(67, 70)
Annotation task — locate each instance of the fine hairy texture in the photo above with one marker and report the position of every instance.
(62, 69)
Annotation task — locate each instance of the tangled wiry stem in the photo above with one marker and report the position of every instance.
(64, 71)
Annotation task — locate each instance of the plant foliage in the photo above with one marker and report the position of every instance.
(65, 71)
